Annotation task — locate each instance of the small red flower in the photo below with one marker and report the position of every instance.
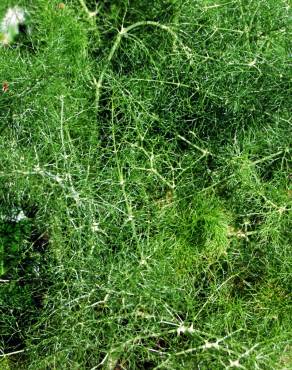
(5, 87)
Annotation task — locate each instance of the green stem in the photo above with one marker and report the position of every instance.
(123, 32)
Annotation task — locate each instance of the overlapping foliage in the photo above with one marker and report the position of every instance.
(148, 144)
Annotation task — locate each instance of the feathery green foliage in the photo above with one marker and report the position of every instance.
(149, 145)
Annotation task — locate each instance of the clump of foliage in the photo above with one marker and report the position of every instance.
(11, 234)
(154, 138)
(23, 278)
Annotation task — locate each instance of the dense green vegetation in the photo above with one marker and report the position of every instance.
(148, 145)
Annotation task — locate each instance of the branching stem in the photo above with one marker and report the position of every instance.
(123, 32)
(89, 14)
(122, 183)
